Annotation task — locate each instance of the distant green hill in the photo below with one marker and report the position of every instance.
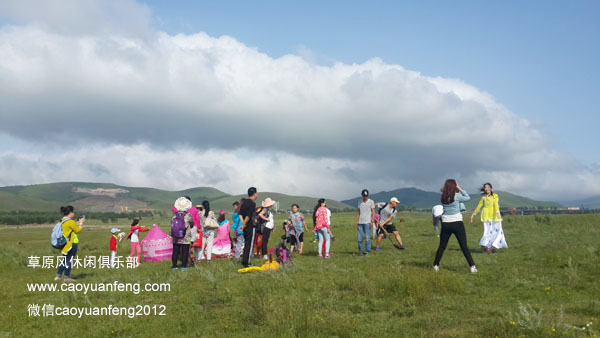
(420, 199)
(409, 197)
(107, 197)
(285, 202)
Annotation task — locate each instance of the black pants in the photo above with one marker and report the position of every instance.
(458, 229)
(266, 234)
(249, 234)
(185, 251)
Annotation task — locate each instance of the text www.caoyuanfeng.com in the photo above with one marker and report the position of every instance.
(135, 288)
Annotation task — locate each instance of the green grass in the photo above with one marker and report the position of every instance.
(547, 279)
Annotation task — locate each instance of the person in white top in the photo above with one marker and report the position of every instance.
(329, 222)
(208, 235)
(268, 225)
(437, 212)
(135, 239)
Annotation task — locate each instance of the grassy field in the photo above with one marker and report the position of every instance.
(545, 285)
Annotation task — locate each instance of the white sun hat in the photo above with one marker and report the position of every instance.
(268, 202)
(183, 204)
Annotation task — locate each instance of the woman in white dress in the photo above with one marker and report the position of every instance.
(493, 234)
(208, 234)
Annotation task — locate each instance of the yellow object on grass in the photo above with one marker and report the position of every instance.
(270, 266)
(265, 267)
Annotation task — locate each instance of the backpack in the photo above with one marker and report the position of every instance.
(57, 238)
(260, 223)
(383, 207)
(178, 225)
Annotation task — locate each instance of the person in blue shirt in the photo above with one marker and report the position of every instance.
(452, 222)
(238, 232)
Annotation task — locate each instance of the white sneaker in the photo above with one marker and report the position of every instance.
(265, 257)
(473, 269)
(56, 279)
(436, 268)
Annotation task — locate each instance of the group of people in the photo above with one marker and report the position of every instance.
(251, 227)
(449, 213)
(380, 223)
(198, 234)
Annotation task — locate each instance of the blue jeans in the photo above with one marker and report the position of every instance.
(363, 234)
(67, 264)
(323, 235)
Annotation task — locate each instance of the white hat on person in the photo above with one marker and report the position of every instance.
(268, 202)
(183, 204)
(395, 200)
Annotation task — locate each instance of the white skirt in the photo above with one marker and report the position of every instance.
(493, 235)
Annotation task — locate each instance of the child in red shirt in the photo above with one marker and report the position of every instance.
(113, 246)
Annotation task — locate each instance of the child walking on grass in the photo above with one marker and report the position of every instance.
(290, 234)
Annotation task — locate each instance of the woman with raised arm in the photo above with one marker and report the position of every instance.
(452, 222)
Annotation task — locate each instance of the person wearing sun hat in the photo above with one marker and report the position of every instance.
(386, 214)
(182, 245)
(269, 224)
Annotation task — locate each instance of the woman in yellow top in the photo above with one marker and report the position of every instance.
(70, 230)
(493, 235)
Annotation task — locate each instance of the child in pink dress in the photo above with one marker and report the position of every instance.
(222, 244)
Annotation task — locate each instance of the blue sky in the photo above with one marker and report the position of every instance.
(538, 58)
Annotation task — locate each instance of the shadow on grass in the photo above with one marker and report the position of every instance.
(427, 265)
(83, 275)
(474, 251)
(432, 235)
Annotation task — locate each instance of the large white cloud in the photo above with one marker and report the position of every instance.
(350, 125)
(179, 168)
